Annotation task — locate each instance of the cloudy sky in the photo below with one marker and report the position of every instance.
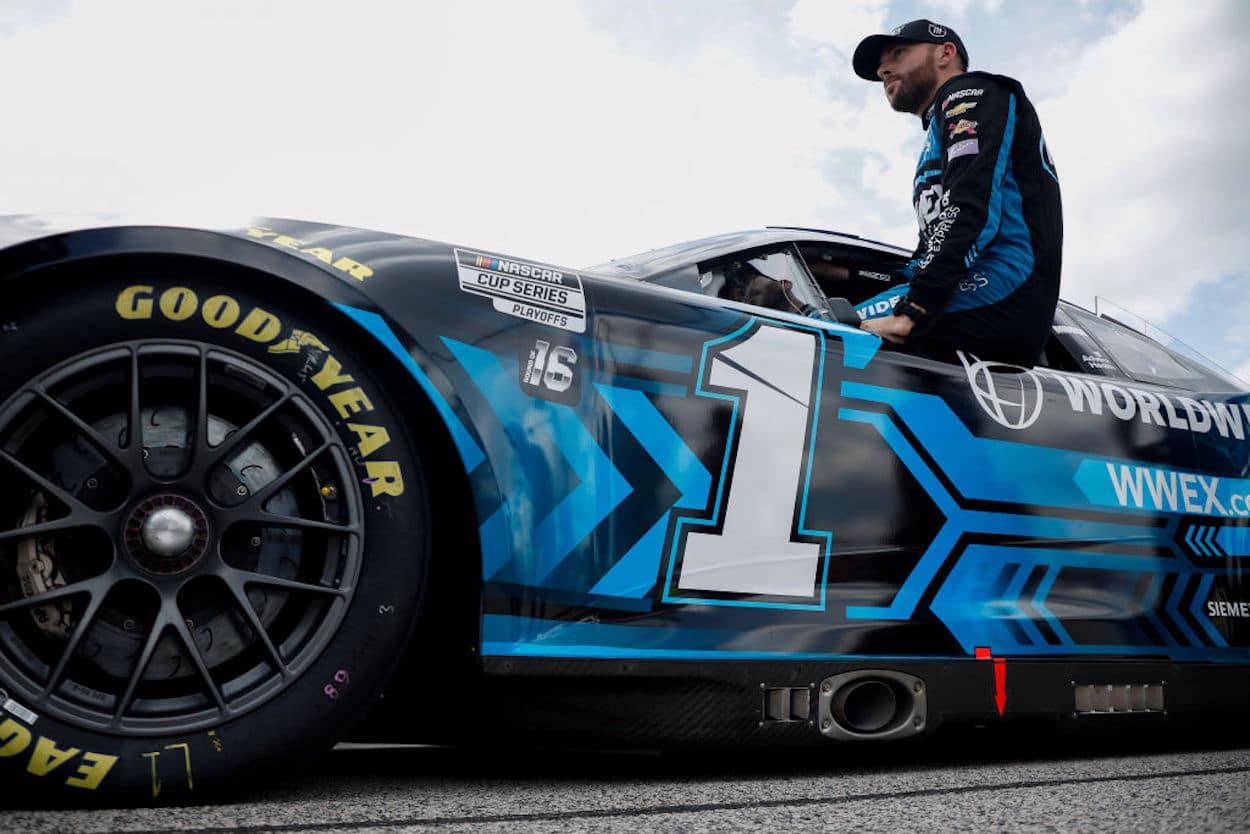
(573, 131)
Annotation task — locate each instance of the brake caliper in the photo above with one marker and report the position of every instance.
(38, 573)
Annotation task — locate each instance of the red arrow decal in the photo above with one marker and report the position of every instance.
(1000, 677)
(1000, 684)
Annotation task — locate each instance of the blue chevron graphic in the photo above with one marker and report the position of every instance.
(1173, 608)
(635, 575)
(1151, 603)
(564, 453)
(1200, 597)
(960, 521)
(1011, 595)
(1207, 540)
(978, 614)
(968, 601)
(1195, 542)
(637, 571)
(1212, 541)
(662, 443)
(1234, 541)
(1039, 605)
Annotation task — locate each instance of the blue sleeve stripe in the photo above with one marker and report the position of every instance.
(995, 208)
(1041, 151)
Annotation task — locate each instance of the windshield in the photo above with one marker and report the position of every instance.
(1185, 366)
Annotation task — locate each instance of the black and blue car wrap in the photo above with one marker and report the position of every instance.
(700, 500)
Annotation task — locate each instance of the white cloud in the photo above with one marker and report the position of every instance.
(1149, 143)
(841, 25)
(958, 9)
(16, 15)
(513, 126)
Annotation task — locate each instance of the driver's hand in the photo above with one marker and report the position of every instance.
(891, 328)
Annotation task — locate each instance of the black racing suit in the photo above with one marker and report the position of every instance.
(986, 194)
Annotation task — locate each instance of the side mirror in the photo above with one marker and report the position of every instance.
(843, 312)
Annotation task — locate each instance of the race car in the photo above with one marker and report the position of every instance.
(254, 480)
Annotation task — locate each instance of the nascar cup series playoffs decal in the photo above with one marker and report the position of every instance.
(530, 291)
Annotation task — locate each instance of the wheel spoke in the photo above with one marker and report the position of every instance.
(200, 446)
(80, 631)
(134, 416)
(47, 486)
(245, 577)
(70, 522)
(159, 626)
(240, 596)
(97, 586)
(96, 439)
(188, 640)
(265, 519)
(219, 454)
(258, 498)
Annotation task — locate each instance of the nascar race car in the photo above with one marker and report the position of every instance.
(251, 481)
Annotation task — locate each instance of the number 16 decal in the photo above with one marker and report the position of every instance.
(761, 555)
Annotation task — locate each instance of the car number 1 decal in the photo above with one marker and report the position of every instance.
(761, 555)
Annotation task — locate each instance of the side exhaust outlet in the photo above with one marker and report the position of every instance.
(872, 705)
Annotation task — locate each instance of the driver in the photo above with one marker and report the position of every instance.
(985, 276)
(746, 283)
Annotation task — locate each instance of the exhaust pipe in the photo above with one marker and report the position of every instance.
(866, 706)
(872, 704)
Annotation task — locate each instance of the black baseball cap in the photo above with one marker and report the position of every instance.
(868, 54)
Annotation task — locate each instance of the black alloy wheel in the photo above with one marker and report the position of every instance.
(197, 559)
(214, 527)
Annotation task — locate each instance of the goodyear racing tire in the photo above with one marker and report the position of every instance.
(213, 532)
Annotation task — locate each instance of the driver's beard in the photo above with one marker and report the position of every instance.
(915, 89)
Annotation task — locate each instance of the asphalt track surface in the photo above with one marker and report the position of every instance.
(969, 781)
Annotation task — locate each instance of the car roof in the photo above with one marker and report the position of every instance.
(664, 259)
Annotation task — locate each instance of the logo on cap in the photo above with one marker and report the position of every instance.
(896, 30)
(937, 31)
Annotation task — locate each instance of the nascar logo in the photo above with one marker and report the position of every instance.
(518, 268)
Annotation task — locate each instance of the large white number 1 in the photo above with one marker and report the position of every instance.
(753, 553)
